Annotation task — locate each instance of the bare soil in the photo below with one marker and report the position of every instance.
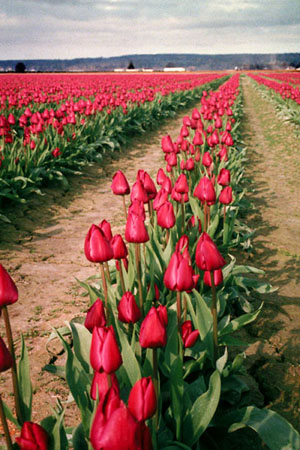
(42, 249)
(273, 174)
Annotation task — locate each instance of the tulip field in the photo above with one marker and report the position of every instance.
(156, 359)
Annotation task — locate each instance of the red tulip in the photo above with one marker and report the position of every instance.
(106, 228)
(114, 427)
(142, 399)
(128, 311)
(120, 184)
(95, 316)
(33, 437)
(167, 144)
(138, 192)
(8, 289)
(198, 140)
(119, 247)
(137, 207)
(161, 197)
(224, 177)
(226, 195)
(96, 247)
(56, 152)
(222, 154)
(207, 159)
(160, 177)
(208, 256)
(218, 277)
(148, 184)
(190, 164)
(195, 114)
(135, 229)
(167, 185)
(6, 360)
(171, 159)
(165, 215)
(181, 185)
(179, 273)
(153, 332)
(101, 384)
(189, 336)
(104, 353)
(205, 191)
(186, 121)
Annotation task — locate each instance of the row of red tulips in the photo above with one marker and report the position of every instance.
(150, 366)
(286, 90)
(80, 122)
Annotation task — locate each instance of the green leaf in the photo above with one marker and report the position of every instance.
(198, 418)
(276, 432)
(130, 362)
(24, 382)
(55, 370)
(177, 390)
(82, 343)
(239, 322)
(78, 439)
(204, 322)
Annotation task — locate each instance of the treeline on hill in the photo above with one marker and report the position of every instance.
(159, 61)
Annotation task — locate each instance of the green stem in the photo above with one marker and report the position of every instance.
(178, 304)
(182, 214)
(107, 271)
(5, 426)
(138, 269)
(104, 285)
(122, 277)
(205, 216)
(14, 366)
(155, 382)
(215, 317)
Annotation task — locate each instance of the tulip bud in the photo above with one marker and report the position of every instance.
(161, 197)
(137, 207)
(120, 184)
(181, 185)
(167, 144)
(179, 273)
(8, 289)
(224, 177)
(167, 185)
(96, 247)
(153, 332)
(198, 140)
(119, 247)
(205, 191)
(106, 228)
(190, 164)
(138, 192)
(208, 256)
(95, 316)
(189, 337)
(165, 215)
(135, 229)
(160, 178)
(207, 159)
(226, 195)
(6, 360)
(33, 436)
(100, 384)
(128, 311)
(142, 399)
(104, 353)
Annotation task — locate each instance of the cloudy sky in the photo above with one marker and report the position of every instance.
(36, 29)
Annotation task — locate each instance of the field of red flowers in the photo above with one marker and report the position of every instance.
(157, 349)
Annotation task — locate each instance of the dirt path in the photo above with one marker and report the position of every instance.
(273, 168)
(43, 251)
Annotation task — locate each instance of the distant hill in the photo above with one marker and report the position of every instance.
(159, 61)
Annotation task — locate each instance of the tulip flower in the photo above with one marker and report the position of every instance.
(207, 159)
(153, 332)
(104, 353)
(167, 185)
(205, 191)
(8, 289)
(135, 229)
(167, 144)
(137, 207)
(114, 427)
(224, 177)
(148, 184)
(198, 140)
(226, 195)
(161, 197)
(165, 215)
(119, 247)
(97, 248)
(179, 273)
(120, 184)
(160, 177)
(6, 360)
(106, 228)
(128, 311)
(218, 277)
(33, 436)
(208, 256)
(101, 384)
(181, 185)
(138, 192)
(142, 401)
(189, 336)
(95, 316)
(190, 164)
(171, 159)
